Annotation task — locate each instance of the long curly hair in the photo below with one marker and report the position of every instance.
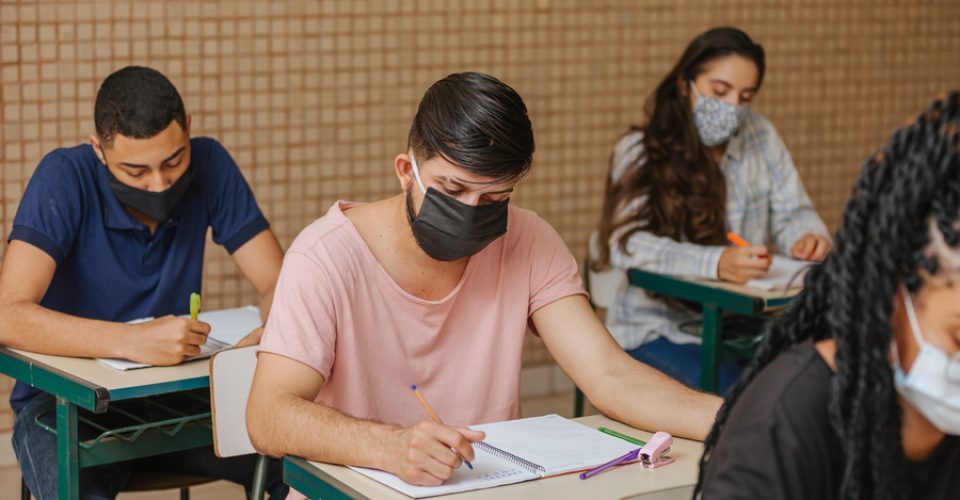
(911, 185)
(685, 190)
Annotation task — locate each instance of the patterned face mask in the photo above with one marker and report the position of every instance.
(716, 120)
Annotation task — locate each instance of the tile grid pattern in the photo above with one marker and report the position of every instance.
(314, 99)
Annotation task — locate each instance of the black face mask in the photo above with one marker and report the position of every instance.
(155, 205)
(447, 229)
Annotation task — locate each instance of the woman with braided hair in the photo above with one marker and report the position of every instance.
(855, 392)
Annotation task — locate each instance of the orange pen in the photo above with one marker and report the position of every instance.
(740, 242)
(737, 240)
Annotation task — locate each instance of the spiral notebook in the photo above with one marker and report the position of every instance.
(520, 450)
(227, 327)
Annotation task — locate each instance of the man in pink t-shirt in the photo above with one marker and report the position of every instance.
(436, 287)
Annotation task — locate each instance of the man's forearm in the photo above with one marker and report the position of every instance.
(285, 424)
(643, 397)
(266, 301)
(32, 327)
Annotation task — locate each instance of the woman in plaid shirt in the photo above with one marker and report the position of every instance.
(703, 164)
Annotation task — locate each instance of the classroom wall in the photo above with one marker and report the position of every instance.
(314, 99)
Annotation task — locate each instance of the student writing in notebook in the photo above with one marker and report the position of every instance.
(436, 287)
(855, 393)
(703, 164)
(113, 231)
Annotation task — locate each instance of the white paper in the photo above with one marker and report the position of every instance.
(488, 471)
(231, 325)
(783, 272)
(552, 442)
(227, 327)
(555, 443)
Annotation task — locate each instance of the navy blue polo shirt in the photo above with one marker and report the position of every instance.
(109, 266)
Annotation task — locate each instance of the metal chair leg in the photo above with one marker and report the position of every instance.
(577, 403)
(24, 491)
(185, 493)
(259, 478)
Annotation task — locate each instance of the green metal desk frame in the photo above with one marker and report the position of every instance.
(715, 300)
(72, 393)
(315, 483)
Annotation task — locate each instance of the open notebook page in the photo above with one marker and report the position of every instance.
(227, 327)
(488, 471)
(783, 272)
(552, 442)
(555, 443)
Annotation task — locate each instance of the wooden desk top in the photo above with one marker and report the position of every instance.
(122, 384)
(630, 481)
(751, 291)
(737, 298)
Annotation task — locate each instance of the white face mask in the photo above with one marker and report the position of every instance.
(933, 384)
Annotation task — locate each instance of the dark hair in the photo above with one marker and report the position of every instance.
(476, 122)
(909, 186)
(684, 189)
(137, 102)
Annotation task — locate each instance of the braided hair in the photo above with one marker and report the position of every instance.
(910, 186)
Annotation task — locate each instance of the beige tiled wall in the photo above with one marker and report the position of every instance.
(314, 98)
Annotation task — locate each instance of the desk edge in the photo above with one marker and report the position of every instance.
(293, 465)
(82, 393)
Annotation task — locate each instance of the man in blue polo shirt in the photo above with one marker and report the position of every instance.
(112, 231)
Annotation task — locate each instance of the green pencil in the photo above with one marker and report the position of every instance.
(194, 305)
(622, 436)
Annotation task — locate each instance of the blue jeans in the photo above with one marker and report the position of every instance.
(682, 362)
(36, 450)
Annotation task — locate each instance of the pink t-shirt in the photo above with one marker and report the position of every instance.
(337, 311)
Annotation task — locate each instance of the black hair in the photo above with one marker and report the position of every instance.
(476, 122)
(910, 186)
(716, 43)
(137, 102)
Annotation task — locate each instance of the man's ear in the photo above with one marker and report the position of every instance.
(187, 128)
(403, 167)
(97, 148)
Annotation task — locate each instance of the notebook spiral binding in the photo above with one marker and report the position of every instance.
(510, 457)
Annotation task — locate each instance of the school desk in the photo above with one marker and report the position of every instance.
(88, 384)
(715, 297)
(674, 481)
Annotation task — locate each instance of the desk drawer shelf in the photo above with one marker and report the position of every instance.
(140, 428)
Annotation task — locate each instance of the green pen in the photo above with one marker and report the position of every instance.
(194, 305)
(622, 436)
